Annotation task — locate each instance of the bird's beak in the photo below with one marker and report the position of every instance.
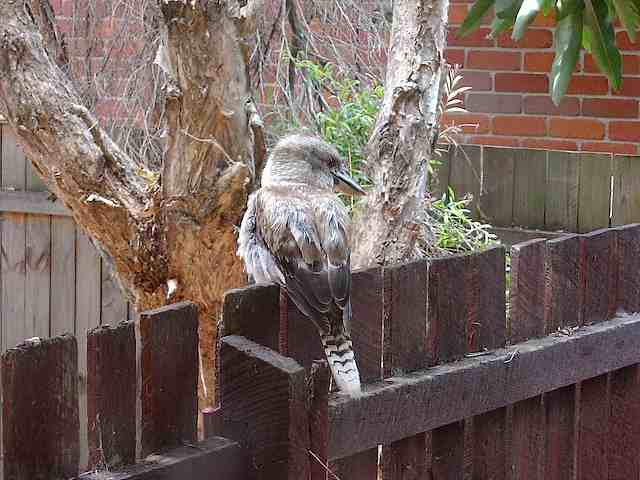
(346, 184)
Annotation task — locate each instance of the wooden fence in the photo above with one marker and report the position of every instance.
(150, 415)
(544, 189)
(455, 388)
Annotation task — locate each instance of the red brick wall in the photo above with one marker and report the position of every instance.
(509, 99)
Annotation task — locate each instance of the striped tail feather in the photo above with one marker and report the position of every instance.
(339, 351)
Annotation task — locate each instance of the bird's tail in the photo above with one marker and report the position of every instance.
(339, 351)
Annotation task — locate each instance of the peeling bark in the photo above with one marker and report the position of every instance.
(388, 226)
(179, 231)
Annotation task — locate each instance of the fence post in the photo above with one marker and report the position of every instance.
(40, 409)
(264, 403)
(169, 337)
(111, 395)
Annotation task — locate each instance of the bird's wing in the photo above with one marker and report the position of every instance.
(310, 247)
(260, 264)
(307, 236)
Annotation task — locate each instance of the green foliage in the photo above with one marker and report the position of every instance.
(349, 115)
(455, 231)
(587, 24)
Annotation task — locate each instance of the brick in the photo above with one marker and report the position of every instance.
(625, 131)
(533, 38)
(630, 64)
(588, 84)
(543, 105)
(493, 141)
(549, 144)
(538, 61)
(624, 42)
(493, 103)
(524, 126)
(478, 81)
(67, 8)
(457, 14)
(609, 147)
(477, 123)
(476, 39)
(454, 56)
(576, 128)
(494, 60)
(630, 87)
(521, 82)
(610, 107)
(110, 109)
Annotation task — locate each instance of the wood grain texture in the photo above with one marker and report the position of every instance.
(39, 203)
(593, 429)
(626, 190)
(263, 397)
(111, 396)
(628, 264)
(559, 440)
(37, 275)
(595, 191)
(367, 322)
(87, 297)
(563, 288)
(599, 275)
(489, 441)
(496, 197)
(624, 424)
(448, 452)
(465, 164)
(561, 196)
(407, 328)
(489, 308)
(219, 455)
(63, 276)
(527, 290)
(528, 439)
(447, 308)
(408, 322)
(169, 353)
(253, 312)
(530, 179)
(15, 327)
(40, 411)
(396, 409)
(112, 299)
(318, 411)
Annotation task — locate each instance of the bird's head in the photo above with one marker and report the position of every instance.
(312, 161)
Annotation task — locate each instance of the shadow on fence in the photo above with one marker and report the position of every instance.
(454, 388)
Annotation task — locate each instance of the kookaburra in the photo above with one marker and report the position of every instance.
(295, 233)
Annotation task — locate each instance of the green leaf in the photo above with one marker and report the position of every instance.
(506, 13)
(568, 39)
(568, 7)
(526, 15)
(547, 7)
(628, 13)
(474, 17)
(598, 38)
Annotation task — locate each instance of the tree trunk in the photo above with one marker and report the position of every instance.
(170, 239)
(390, 224)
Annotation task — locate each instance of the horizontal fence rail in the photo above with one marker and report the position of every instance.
(455, 386)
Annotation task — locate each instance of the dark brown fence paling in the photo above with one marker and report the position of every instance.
(111, 395)
(40, 409)
(527, 296)
(169, 342)
(263, 396)
(368, 309)
(407, 350)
